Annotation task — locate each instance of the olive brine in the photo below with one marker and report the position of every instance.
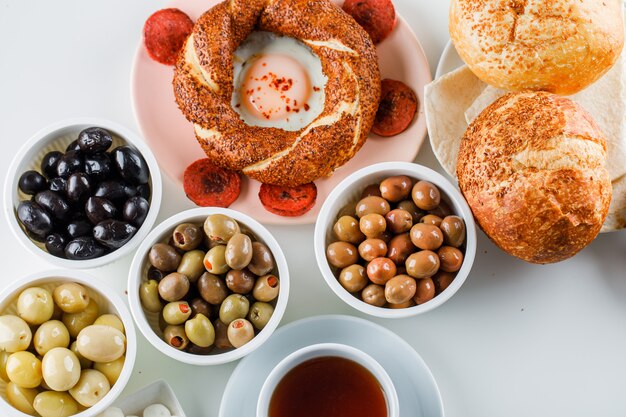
(87, 202)
(213, 286)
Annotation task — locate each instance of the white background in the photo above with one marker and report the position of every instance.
(516, 340)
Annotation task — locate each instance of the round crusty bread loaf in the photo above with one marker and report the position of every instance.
(531, 167)
(560, 46)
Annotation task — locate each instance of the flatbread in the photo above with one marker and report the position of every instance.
(616, 219)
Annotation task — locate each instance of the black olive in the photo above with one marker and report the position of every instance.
(34, 218)
(98, 209)
(49, 163)
(83, 248)
(144, 191)
(70, 163)
(55, 245)
(116, 191)
(58, 185)
(78, 228)
(94, 139)
(156, 274)
(31, 182)
(54, 204)
(98, 166)
(113, 233)
(78, 187)
(73, 146)
(136, 210)
(130, 165)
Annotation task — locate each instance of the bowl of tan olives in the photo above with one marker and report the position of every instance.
(67, 346)
(395, 240)
(208, 286)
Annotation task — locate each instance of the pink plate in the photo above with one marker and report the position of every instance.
(171, 137)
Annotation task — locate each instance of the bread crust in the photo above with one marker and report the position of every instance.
(203, 86)
(560, 46)
(531, 167)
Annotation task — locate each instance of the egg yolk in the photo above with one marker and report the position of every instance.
(274, 86)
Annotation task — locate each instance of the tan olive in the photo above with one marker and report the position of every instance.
(221, 335)
(347, 229)
(399, 221)
(15, 335)
(24, 369)
(400, 289)
(381, 270)
(372, 248)
(4, 356)
(409, 205)
(399, 248)
(84, 362)
(372, 205)
(374, 295)
(260, 314)
(71, 297)
(341, 254)
(192, 265)
(149, 296)
(240, 282)
(174, 287)
(100, 343)
(422, 264)
(396, 188)
(372, 225)
(111, 320)
(406, 304)
(60, 368)
(75, 322)
(425, 195)
(235, 306)
(91, 388)
(453, 229)
(212, 288)
(431, 219)
(176, 337)
(199, 306)
(21, 399)
(353, 278)
(442, 280)
(425, 290)
(442, 210)
(200, 331)
(215, 260)
(426, 236)
(164, 257)
(35, 305)
(220, 228)
(176, 312)
(266, 288)
(450, 258)
(238, 251)
(262, 260)
(111, 370)
(55, 404)
(50, 335)
(371, 190)
(347, 210)
(187, 236)
(240, 332)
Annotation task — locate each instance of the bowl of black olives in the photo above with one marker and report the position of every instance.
(83, 193)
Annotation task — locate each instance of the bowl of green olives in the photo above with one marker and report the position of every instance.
(67, 345)
(395, 240)
(208, 286)
(82, 193)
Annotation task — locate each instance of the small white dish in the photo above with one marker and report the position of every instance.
(108, 302)
(56, 137)
(323, 350)
(349, 190)
(449, 60)
(159, 392)
(418, 394)
(148, 323)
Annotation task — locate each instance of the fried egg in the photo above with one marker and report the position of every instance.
(278, 82)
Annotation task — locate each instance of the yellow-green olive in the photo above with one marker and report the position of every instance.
(15, 335)
(260, 314)
(50, 335)
(200, 331)
(75, 322)
(21, 399)
(111, 370)
(238, 251)
(149, 296)
(35, 305)
(215, 260)
(176, 312)
(84, 362)
(235, 306)
(24, 369)
(220, 228)
(61, 369)
(55, 404)
(111, 320)
(71, 297)
(91, 388)
(192, 265)
(266, 288)
(100, 343)
(240, 332)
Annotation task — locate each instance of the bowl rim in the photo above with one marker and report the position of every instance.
(96, 285)
(135, 279)
(44, 134)
(395, 168)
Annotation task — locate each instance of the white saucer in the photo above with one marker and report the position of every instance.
(417, 390)
(449, 61)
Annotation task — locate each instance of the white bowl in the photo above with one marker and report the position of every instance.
(148, 323)
(108, 302)
(159, 392)
(56, 137)
(322, 350)
(349, 190)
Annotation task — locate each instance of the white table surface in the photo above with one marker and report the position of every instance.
(516, 340)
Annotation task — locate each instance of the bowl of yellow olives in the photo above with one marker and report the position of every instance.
(67, 346)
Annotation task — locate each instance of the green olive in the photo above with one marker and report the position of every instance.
(266, 288)
(220, 228)
(192, 265)
(55, 404)
(215, 260)
(75, 322)
(187, 236)
(71, 297)
(235, 306)
(111, 320)
(15, 335)
(149, 296)
(51, 334)
(240, 332)
(174, 287)
(200, 331)
(91, 388)
(24, 369)
(164, 257)
(260, 314)
(262, 260)
(212, 288)
(176, 312)
(35, 305)
(21, 399)
(176, 337)
(238, 251)
(112, 370)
